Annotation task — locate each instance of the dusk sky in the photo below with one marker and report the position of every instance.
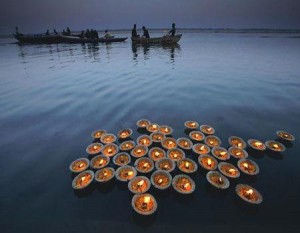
(39, 15)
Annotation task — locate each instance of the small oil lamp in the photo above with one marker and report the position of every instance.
(156, 153)
(152, 127)
(248, 166)
(208, 130)
(248, 194)
(125, 173)
(220, 153)
(105, 174)
(122, 159)
(144, 204)
(169, 143)
(217, 180)
(100, 161)
(139, 151)
(144, 140)
(110, 149)
(201, 149)
(83, 179)
(196, 136)
(212, 141)
(144, 165)
(256, 144)
(228, 170)
(127, 145)
(108, 138)
(175, 154)
(191, 124)
(184, 143)
(183, 184)
(238, 142)
(94, 148)
(161, 180)
(139, 184)
(143, 123)
(125, 133)
(208, 162)
(166, 130)
(157, 137)
(165, 164)
(98, 133)
(285, 135)
(79, 165)
(275, 146)
(187, 165)
(238, 153)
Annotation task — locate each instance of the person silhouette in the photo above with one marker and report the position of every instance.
(172, 32)
(134, 32)
(145, 32)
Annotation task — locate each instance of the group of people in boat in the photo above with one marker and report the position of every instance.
(134, 33)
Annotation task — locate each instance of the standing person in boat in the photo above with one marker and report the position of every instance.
(47, 33)
(55, 32)
(172, 32)
(68, 31)
(134, 32)
(17, 32)
(107, 35)
(145, 32)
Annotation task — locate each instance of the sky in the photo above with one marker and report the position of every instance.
(39, 15)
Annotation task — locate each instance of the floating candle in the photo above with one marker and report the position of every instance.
(143, 123)
(125, 133)
(152, 127)
(125, 173)
(144, 165)
(110, 149)
(201, 149)
(212, 141)
(104, 174)
(248, 194)
(98, 133)
(184, 143)
(238, 142)
(187, 165)
(166, 130)
(144, 204)
(94, 148)
(139, 184)
(208, 162)
(217, 180)
(144, 140)
(196, 136)
(83, 179)
(100, 161)
(191, 124)
(161, 179)
(157, 137)
(220, 153)
(122, 159)
(139, 151)
(237, 153)
(127, 145)
(165, 164)
(175, 154)
(256, 144)
(108, 138)
(183, 184)
(248, 166)
(156, 153)
(169, 143)
(285, 135)
(275, 146)
(207, 129)
(228, 170)
(79, 165)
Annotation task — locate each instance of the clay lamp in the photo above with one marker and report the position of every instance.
(166, 130)
(139, 184)
(196, 136)
(191, 124)
(83, 179)
(208, 162)
(220, 153)
(144, 204)
(143, 123)
(212, 141)
(157, 137)
(165, 164)
(152, 127)
(256, 144)
(122, 159)
(98, 133)
(184, 143)
(108, 138)
(110, 149)
(248, 166)
(275, 146)
(238, 153)
(125, 173)
(248, 194)
(124, 133)
(144, 165)
(208, 130)
(79, 165)
(161, 179)
(238, 142)
(94, 148)
(217, 180)
(187, 165)
(105, 174)
(183, 184)
(201, 149)
(169, 143)
(100, 161)
(175, 154)
(228, 170)
(139, 151)
(127, 145)
(156, 153)
(285, 135)
(144, 140)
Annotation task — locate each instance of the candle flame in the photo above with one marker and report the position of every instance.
(95, 147)
(140, 183)
(239, 144)
(246, 165)
(209, 161)
(145, 165)
(105, 173)
(166, 166)
(186, 185)
(238, 153)
(81, 165)
(146, 199)
(139, 151)
(209, 129)
(130, 173)
(156, 153)
(249, 192)
(193, 124)
(83, 178)
(175, 155)
(202, 147)
(145, 141)
(109, 150)
(126, 145)
(185, 143)
(160, 181)
(187, 164)
(258, 144)
(275, 146)
(154, 126)
(231, 171)
(220, 180)
(223, 153)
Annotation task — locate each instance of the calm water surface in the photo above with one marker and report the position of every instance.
(53, 96)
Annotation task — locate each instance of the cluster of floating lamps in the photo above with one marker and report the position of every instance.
(160, 154)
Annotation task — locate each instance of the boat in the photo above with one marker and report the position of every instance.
(156, 40)
(75, 39)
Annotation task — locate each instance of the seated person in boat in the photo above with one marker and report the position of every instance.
(172, 32)
(107, 35)
(134, 32)
(145, 32)
(94, 34)
(47, 33)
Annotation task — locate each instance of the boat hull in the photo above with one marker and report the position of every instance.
(156, 40)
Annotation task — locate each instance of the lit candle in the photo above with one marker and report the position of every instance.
(191, 124)
(157, 136)
(127, 145)
(125, 173)
(248, 193)
(143, 123)
(217, 180)
(256, 144)
(207, 129)
(104, 174)
(207, 162)
(161, 179)
(183, 184)
(108, 138)
(275, 146)
(212, 141)
(83, 179)
(285, 135)
(144, 204)
(165, 164)
(139, 184)
(79, 165)
(187, 165)
(139, 151)
(98, 133)
(144, 165)
(248, 166)
(201, 149)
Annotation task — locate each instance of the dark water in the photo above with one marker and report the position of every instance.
(53, 96)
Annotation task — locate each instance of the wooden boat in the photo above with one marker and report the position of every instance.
(156, 40)
(75, 39)
(38, 39)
